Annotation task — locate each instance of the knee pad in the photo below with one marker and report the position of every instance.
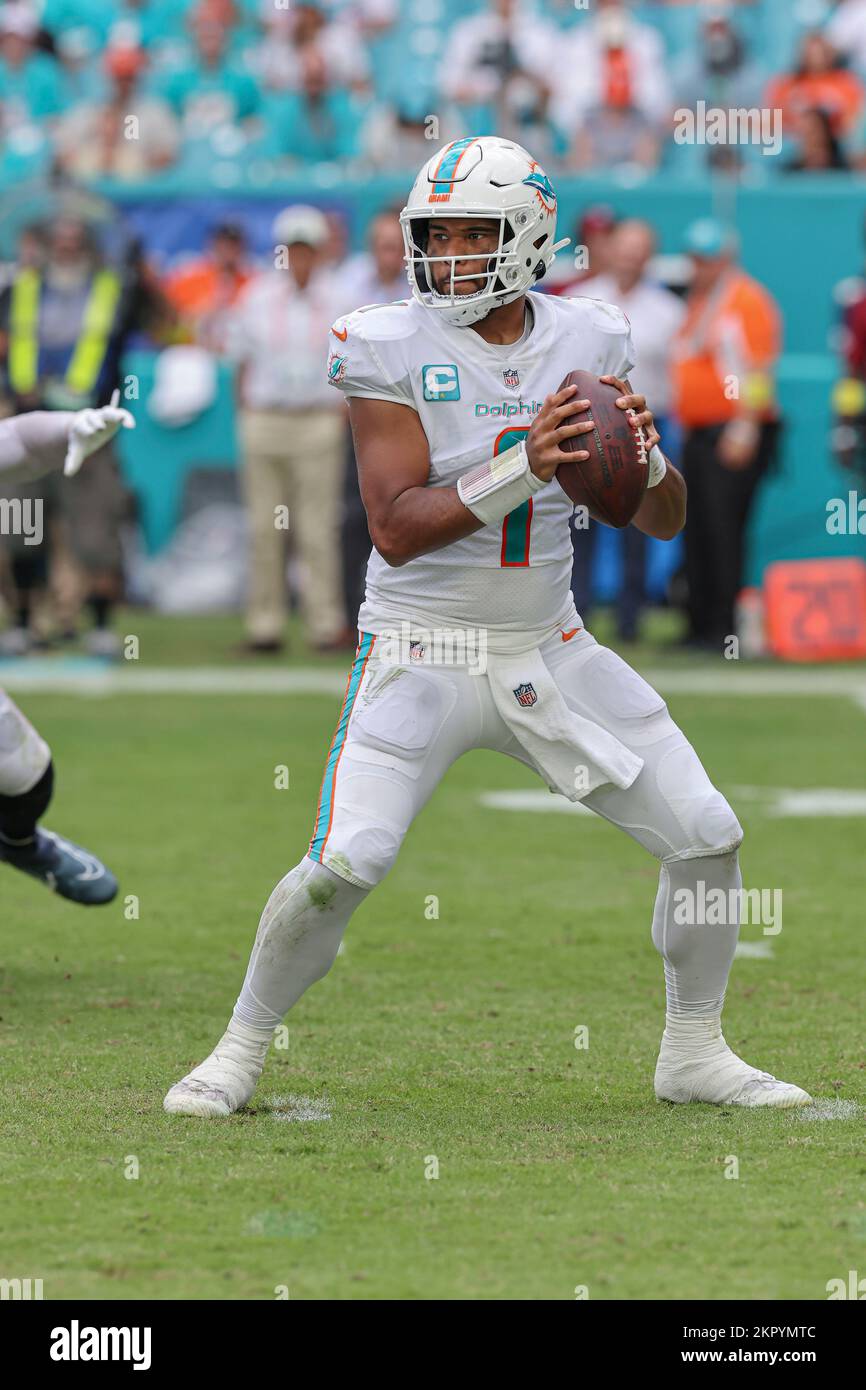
(719, 831)
(707, 822)
(359, 848)
(24, 755)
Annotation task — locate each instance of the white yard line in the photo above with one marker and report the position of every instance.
(835, 1109)
(730, 680)
(301, 1109)
(79, 676)
(533, 801)
(754, 950)
(776, 802)
(134, 679)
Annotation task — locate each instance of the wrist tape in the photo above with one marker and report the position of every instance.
(494, 488)
(657, 466)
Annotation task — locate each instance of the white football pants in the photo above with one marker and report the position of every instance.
(401, 728)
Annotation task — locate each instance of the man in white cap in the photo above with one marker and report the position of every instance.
(291, 433)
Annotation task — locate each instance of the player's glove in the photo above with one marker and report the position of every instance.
(90, 429)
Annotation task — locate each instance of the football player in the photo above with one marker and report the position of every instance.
(30, 446)
(457, 425)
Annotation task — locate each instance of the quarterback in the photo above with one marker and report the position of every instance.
(31, 445)
(457, 423)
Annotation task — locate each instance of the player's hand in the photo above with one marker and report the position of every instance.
(548, 430)
(90, 429)
(637, 405)
(737, 444)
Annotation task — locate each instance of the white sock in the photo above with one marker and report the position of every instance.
(691, 1036)
(697, 955)
(297, 942)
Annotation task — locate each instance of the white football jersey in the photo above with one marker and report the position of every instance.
(476, 399)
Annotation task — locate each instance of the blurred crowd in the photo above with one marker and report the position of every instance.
(132, 89)
(67, 316)
(135, 89)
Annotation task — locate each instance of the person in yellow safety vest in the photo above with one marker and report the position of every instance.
(63, 325)
(84, 363)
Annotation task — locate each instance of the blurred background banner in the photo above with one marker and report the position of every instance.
(178, 131)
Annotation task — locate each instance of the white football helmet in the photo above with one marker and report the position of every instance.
(489, 177)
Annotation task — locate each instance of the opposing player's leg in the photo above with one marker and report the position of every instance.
(400, 728)
(26, 784)
(675, 812)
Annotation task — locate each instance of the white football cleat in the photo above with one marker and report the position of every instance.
(225, 1080)
(698, 1065)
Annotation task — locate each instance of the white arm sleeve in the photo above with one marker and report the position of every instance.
(33, 444)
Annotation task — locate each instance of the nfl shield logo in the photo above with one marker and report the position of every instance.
(511, 377)
(526, 696)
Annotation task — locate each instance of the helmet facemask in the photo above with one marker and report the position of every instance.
(497, 268)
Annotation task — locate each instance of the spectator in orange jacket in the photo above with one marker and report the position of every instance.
(723, 360)
(818, 83)
(203, 291)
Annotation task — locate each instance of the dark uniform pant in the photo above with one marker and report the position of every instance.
(719, 505)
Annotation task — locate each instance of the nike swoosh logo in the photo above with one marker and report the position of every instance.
(337, 334)
(567, 636)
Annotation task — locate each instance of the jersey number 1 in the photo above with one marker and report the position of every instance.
(516, 525)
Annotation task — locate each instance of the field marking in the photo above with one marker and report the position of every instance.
(84, 676)
(778, 803)
(806, 801)
(829, 1110)
(534, 801)
(300, 1109)
(754, 950)
(99, 680)
(735, 680)
(819, 801)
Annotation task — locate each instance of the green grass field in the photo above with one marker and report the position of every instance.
(450, 1038)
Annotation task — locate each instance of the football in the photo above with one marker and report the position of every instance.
(612, 481)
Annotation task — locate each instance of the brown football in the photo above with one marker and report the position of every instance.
(612, 481)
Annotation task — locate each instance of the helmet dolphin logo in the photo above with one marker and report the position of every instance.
(543, 188)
